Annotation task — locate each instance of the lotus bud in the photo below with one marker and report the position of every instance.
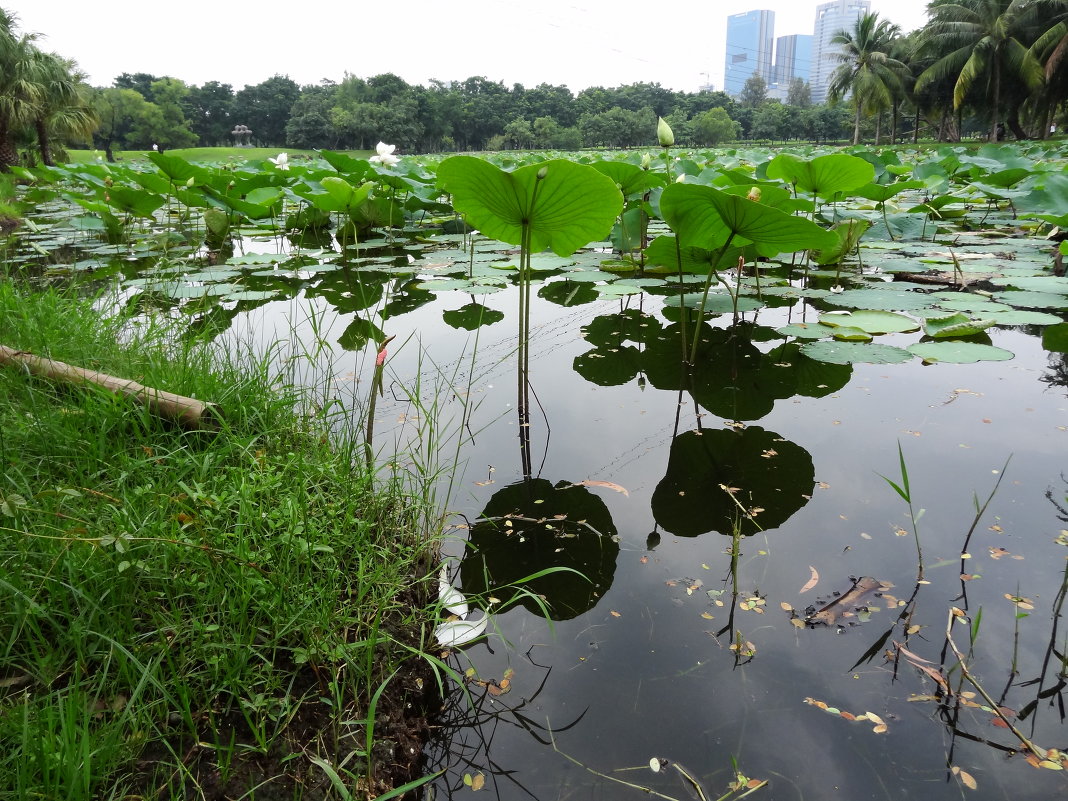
(681, 179)
(664, 134)
(754, 194)
(647, 161)
(542, 173)
(191, 183)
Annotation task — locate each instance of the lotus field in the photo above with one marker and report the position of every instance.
(752, 460)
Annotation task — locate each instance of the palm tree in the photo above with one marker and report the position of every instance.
(18, 92)
(1050, 47)
(62, 109)
(982, 45)
(866, 69)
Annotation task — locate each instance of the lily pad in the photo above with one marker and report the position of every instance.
(959, 352)
(873, 322)
(854, 352)
(805, 331)
(1033, 300)
(955, 325)
(880, 299)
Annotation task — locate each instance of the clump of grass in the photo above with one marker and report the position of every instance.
(187, 613)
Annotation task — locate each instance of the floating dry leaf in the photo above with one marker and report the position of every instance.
(478, 781)
(614, 613)
(813, 580)
(965, 778)
(606, 484)
(654, 765)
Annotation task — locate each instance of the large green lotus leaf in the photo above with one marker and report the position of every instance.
(571, 206)
(854, 352)
(1039, 283)
(955, 325)
(663, 252)
(874, 322)
(706, 217)
(1033, 300)
(824, 175)
(630, 178)
(966, 302)
(1022, 318)
(959, 352)
(719, 302)
(848, 233)
(846, 334)
(1055, 338)
(773, 477)
(881, 193)
(177, 169)
(883, 299)
(136, 201)
(805, 331)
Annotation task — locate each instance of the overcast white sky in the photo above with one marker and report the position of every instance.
(579, 43)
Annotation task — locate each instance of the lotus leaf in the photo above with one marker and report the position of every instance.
(873, 322)
(854, 352)
(959, 352)
(563, 205)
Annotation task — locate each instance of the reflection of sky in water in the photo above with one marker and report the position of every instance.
(653, 681)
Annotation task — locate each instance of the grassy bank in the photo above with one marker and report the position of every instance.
(187, 614)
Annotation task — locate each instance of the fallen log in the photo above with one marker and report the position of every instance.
(187, 412)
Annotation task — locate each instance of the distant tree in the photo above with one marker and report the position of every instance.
(754, 93)
(799, 93)
(171, 96)
(518, 134)
(209, 111)
(117, 110)
(310, 124)
(140, 82)
(714, 127)
(265, 108)
(769, 121)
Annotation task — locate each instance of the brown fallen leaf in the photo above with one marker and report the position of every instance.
(606, 484)
(813, 580)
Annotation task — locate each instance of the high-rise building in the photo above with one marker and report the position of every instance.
(832, 17)
(750, 41)
(793, 58)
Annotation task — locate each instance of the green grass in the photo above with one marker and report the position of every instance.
(183, 613)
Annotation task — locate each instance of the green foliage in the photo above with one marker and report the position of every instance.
(563, 205)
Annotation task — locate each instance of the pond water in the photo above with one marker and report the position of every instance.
(711, 513)
(674, 650)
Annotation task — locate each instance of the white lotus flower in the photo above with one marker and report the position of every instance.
(461, 630)
(837, 288)
(281, 162)
(385, 155)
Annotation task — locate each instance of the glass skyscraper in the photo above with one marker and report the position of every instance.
(750, 43)
(832, 17)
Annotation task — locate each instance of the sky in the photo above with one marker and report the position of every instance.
(578, 43)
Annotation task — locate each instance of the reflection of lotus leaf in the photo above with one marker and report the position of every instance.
(769, 474)
(502, 549)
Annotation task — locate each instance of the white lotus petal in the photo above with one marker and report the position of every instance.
(454, 601)
(460, 632)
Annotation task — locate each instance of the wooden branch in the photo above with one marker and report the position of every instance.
(187, 412)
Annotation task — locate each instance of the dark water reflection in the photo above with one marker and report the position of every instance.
(638, 663)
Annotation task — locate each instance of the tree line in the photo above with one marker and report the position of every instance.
(990, 66)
